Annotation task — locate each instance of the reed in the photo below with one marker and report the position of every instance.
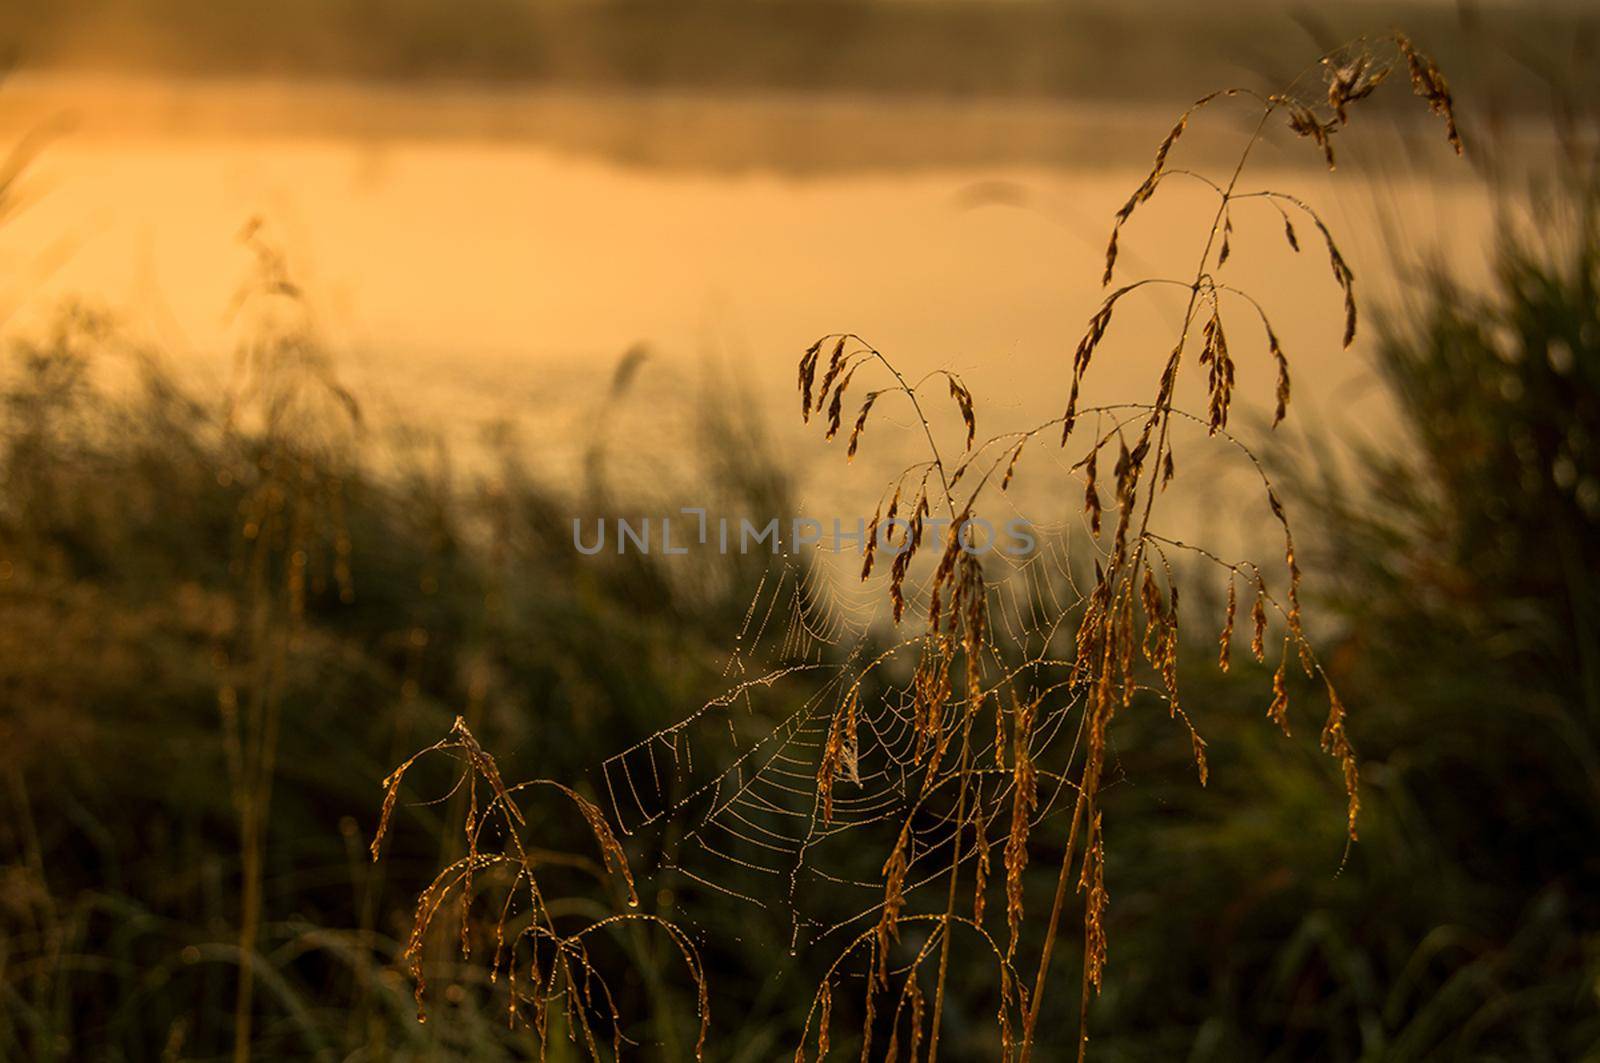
(988, 714)
(292, 536)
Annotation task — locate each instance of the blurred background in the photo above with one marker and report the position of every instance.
(322, 320)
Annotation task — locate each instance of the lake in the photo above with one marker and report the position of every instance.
(475, 257)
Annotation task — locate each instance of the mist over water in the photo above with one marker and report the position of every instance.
(482, 257)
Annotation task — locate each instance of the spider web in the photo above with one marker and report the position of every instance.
(733, 786)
